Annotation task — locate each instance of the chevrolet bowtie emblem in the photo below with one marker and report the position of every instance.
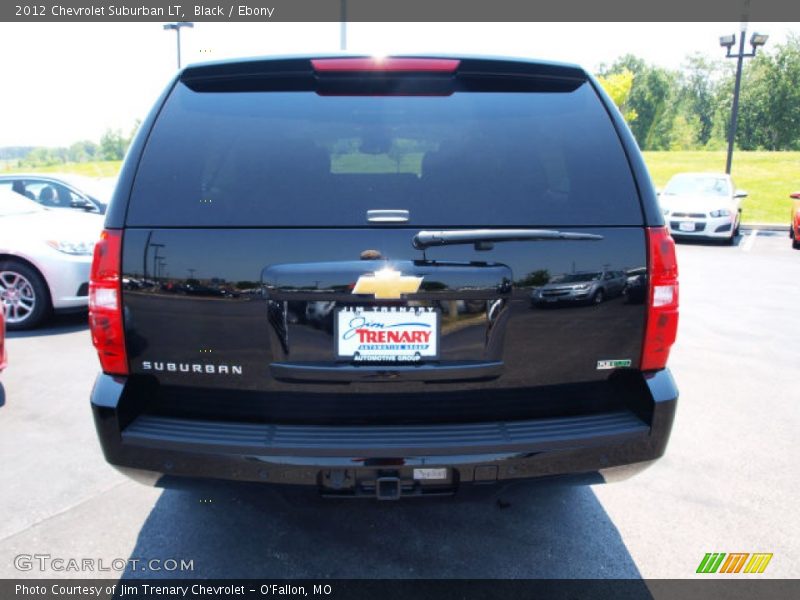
(387, 284)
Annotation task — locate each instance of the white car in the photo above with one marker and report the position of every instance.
(62, 191)
(45, 256)
(705, 205)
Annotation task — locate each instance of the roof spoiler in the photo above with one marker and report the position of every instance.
(312, 73)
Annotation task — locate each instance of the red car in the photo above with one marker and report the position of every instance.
(794, 223)
(2, 341)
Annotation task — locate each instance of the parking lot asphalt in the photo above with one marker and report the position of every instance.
(728, 482)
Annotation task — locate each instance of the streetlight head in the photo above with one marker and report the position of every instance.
(726, 41)
(758, 39)
(178, 25)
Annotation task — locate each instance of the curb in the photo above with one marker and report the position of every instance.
(765, 226)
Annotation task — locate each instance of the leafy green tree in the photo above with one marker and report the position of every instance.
(618, 86)
(699, 80)
(113, 145)
(83, 151)
(649, 96)
(769, 105)
(44, 157)
(723, 96)
(684, 132)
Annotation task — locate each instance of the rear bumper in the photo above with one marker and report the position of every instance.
(353, 460)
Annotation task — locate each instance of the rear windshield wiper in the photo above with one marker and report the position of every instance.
(484, 238)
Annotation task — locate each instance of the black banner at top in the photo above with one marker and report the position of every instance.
(400, 10)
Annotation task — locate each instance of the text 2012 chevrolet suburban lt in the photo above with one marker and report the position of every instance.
(319, 271)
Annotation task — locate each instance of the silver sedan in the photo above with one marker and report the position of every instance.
(45, 257)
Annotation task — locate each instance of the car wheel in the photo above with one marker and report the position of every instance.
(796, 244)
(598, 297)
(737, 226)
(26, 301)
(730, 241)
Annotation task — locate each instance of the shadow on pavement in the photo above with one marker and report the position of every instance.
(55, 325)
(698, 241)
(772, 233)
(530, 530)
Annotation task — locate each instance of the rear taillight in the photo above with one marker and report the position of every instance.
(662, 298)
(105, 304)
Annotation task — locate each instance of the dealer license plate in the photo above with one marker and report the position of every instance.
(387, 333)
(686, 226)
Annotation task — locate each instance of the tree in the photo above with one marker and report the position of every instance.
(769, 105)
(113, 145)
(684, 132)
(44, 157)
(618, 86)
(83, 151)
(723, 96)
(649, 97)
(699, 80)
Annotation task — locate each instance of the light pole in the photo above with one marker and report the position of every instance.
(176, 27)
(156, 257)
(343, 26)
(727, 42)
(147, 247)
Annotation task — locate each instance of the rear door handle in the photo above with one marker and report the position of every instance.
(387, 216)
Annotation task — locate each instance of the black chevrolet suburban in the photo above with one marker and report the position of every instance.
(319, 271)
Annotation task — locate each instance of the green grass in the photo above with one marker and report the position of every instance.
(768, 178)
(107, 168)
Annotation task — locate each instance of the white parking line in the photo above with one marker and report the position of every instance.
(748, 244)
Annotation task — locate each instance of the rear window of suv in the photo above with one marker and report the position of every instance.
(300, 159)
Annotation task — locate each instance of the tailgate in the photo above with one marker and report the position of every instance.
(475, 324)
